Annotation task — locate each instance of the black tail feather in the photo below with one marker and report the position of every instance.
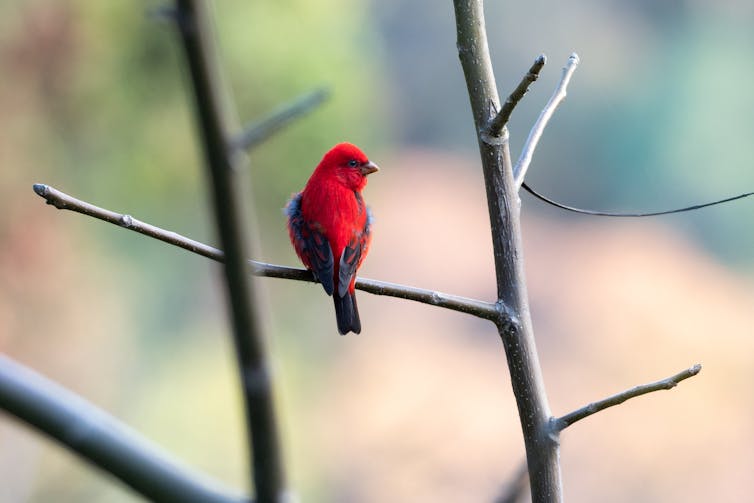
(347, 313)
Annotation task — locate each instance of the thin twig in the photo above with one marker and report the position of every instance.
(102, 440)
(63, 201)
(671, 382)
(519, 170)
(223, 168)
(260, 130)
(496, 125)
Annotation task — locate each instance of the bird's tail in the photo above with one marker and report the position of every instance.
(347, 313)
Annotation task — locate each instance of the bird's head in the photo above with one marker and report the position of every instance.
(348, 164)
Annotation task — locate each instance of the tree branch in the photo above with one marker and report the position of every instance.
(101, 440)
(671, 382)
(260, 130)
(495, 126)
(223, 168)
(503, 205)
(519, 171)
(63, 201)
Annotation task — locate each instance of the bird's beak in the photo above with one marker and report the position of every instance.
(368, 168)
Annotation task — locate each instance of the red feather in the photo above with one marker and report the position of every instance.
(330, 227)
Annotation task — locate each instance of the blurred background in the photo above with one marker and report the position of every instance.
(418, 407)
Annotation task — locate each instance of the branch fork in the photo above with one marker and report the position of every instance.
(495, 131)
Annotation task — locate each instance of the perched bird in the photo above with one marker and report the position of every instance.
(330, 227)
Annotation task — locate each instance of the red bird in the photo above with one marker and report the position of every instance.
(330, 227)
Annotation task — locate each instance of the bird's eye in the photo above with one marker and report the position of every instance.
(353, 163)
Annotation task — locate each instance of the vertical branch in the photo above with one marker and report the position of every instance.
(223, 169)
(514, 324)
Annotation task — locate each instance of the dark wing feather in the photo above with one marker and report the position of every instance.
(311, 245)
(352, 255)
(321, 259)
(349, 261)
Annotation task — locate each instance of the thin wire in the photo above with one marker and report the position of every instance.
(634, 215)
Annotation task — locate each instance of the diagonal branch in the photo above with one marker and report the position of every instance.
(519, 170)
(671, 382)
(496, 125)
(223, 168)
(260, 130)
(63, 201)
(102, 440)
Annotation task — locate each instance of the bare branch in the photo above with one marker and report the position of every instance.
(519, 171)
(671, 382)
(101, 440)
(505, 225)
(496, 125)
(223, 168)
(63, 201)
(258, 131)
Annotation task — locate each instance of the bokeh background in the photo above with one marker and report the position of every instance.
(418, 408)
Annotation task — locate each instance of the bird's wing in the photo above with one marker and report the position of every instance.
(311, 245)
(352, 255)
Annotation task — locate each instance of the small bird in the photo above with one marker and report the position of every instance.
(330, 227)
